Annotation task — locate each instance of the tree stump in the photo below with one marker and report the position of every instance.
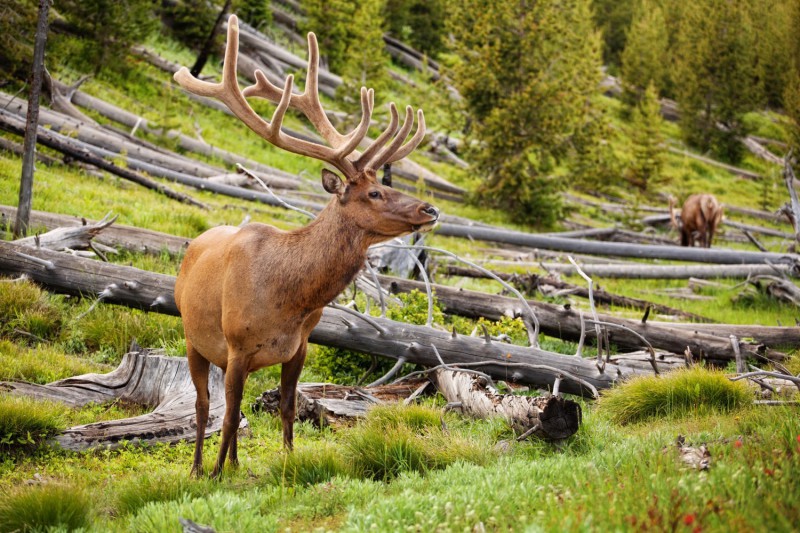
(546, 417)
(144, 377)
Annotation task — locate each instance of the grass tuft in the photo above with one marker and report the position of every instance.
(158, 487)
(694, 391)
(308, 466)
(45, 507)
(25, 422)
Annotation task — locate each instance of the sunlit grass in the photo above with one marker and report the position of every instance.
(40, 508)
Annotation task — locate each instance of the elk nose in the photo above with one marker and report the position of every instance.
(428, 209)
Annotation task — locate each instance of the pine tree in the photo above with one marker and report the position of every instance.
(254, 12)
(107, 28)
(420, 23)
(526, 71)
(648, 143)
(645, 57)
(613, 18)
(332, 22)
(715, 75)
(17, 30)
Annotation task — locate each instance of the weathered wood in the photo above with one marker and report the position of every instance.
(58, 142)
(769, 335)
(143, 377)
(678, 253)
(549, 284)
(642, 271)
(30, 130)
(121, 236)
(326, 404)
(146, 290)
(548, 417)
(67, 238)
(564, 323)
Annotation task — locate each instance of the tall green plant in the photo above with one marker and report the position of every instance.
(107, 28)
(648, 143)
(331, 21)
(526, 70)
(715, 72)
(645, 58)
(420, 23)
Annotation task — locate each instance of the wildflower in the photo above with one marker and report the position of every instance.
(737, 443)
(689, 519)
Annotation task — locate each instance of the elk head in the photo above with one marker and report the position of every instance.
(378, 209)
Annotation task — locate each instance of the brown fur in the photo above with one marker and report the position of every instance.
(700, 217)
(250, 296)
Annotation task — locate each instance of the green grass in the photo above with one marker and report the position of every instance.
(45, 508)
(25, 422)
(694, 391)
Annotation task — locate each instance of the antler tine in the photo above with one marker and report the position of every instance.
(389, 150)
(376, 145)
(413, 142)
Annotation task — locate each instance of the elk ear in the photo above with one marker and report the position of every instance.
(331, 182)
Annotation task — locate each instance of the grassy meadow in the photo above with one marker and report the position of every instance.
(402, 469)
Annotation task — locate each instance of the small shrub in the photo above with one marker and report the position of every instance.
(43, 507)
(41, 364)
(677, 394)
(308, 466)
(26, 307)
(396, 439)
(162, 487)
(25, 422)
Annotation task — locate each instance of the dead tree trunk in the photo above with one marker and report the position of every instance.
(150, 291)
(639, 271)
(209, 44)
(565, 323)
(31, 124)
(546, 417)
(143, 377)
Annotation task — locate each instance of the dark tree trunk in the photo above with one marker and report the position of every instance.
(209, 45)
(28, 158)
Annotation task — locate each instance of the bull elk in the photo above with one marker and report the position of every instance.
(250, 296)
(700, 216)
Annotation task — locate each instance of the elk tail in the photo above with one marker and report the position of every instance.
(672, 218)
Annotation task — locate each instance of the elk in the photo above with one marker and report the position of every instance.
(249, 296)
(700, 216)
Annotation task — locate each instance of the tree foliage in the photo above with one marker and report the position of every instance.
(715, 69)
(420, 23)
(612, 18)
(190, 21)
(645, 58)
(526, 70)
(254, 12)
(17, 31)
(365, 55)
(107, 28)
(648, 143)
(331, 21)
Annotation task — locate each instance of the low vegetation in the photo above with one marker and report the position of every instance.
(422, 467)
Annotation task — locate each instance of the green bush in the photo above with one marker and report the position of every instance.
(44, 507)
(694, 391)
(25, 422)
(308, 465)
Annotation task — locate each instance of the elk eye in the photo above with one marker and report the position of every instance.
(374, 194)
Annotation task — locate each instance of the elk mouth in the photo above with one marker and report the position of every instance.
(426, 227)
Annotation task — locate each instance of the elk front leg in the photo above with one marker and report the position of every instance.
(198, 369)
(235, 376)
(290, 373)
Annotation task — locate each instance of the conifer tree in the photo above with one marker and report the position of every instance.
(526, 71)
(648, 143)
(331, 21)
(645, 58)
(365, 57)
(107, 28)
(715, 75)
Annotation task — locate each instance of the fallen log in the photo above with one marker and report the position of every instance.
(642, 271)
(677, 253)
(117, 236)
(68, 238)
(532, 282)
(546, 417)
(565, 323)
(143, 377)
(150, 291)
(788, 336)
(55, 141)
(328, 405)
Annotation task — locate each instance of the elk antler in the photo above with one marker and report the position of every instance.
(340, 146)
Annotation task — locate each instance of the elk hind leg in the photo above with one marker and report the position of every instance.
(290, 373)
(198, 369)
(235, 376)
